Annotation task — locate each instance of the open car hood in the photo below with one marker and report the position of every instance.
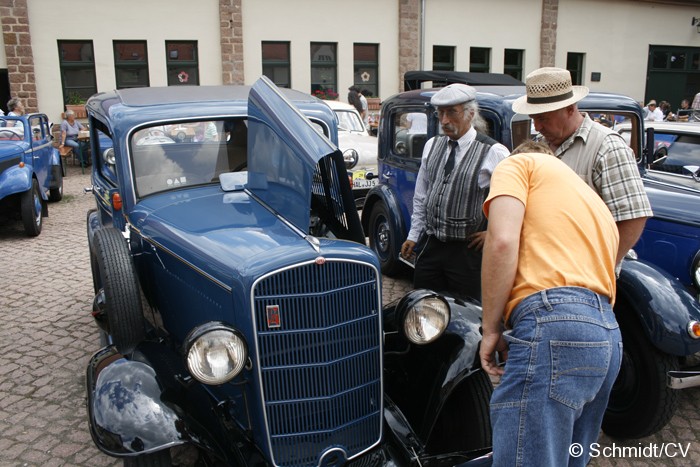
(293, 169)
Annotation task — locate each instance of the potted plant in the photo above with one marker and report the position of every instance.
(76, 103)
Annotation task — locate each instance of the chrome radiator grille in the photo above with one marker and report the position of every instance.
(321, 368)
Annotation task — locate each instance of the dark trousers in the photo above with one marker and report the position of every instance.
(449, 267)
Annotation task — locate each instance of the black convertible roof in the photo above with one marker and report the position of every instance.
(413, 79)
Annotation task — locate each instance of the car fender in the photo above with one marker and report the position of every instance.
(130, 410)
(55, 158)
(456, 357)
(15, 179)
(383, 193)
(664, 307)
(464, 332)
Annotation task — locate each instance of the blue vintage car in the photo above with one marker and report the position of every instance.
(239, 306)
(671, 239)
(659, 318)
(31, 173)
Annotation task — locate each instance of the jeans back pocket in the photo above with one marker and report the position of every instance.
(578, 371)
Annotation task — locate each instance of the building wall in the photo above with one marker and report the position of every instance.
(473, 23)
(301, 22)
(103, 22)
(614, 35)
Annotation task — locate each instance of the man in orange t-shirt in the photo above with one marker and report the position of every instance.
(548, 275)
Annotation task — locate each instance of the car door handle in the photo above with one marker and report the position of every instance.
(387, 175)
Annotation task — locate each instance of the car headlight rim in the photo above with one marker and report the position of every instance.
(424, 317)
(216, 353)
(695, 271)
(351, 157)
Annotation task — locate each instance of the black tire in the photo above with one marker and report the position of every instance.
(31, 205)
(122, 298)
(640, 402)
(382, 240)
(56, 194)
(156, 459)
(465, 420)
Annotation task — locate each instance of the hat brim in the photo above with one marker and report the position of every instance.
(522, 106)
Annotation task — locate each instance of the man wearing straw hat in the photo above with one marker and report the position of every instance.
(597, 154)
(452, 183)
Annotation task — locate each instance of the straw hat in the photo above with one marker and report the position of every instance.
(453, 94)
(548, 89)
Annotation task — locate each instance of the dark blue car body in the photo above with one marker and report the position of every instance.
(31, 173)
(189, 243)
(655, 310)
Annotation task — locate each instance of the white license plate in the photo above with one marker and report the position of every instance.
(360, 183)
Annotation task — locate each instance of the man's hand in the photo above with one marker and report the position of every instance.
(491, 343)
(476, 240)
(407, 249)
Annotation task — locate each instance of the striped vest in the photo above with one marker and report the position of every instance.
(453, 205)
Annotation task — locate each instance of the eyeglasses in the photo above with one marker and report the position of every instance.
(451, 113)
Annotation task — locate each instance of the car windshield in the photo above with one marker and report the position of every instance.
(349, 121)
(174, 155)
(11, 129)
(680, 151)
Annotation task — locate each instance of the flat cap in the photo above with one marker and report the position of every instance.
(453, 94)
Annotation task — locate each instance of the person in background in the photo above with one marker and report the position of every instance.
(15, 108)
(417, 123)
(653, 113)
(452, 183)
(354, 98)
(684, 111)
(364, 94)
(548, 279)
(696, 102)
(665, 107)
(597, 154)
(70, 130)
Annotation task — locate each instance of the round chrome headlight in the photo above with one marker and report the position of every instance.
(350, 156)
(426, 319)
(109, 157)
(216, 354)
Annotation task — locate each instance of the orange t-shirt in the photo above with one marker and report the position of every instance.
(568, 236)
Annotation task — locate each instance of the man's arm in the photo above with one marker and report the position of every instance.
(630, 231)
(499, 263)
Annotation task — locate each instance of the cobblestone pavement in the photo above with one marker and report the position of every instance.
(47, 335)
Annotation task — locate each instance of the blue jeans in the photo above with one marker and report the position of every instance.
(564, 354)
(78, 149)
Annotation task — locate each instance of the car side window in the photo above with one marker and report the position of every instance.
(410, 132)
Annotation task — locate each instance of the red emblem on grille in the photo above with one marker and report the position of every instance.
(273, 316)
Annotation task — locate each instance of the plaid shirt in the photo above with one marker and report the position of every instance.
(696, 102)
(615, 175)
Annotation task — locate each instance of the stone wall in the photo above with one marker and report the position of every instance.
(548, 34)
(18, 49)
(231, 41)
(409, 37)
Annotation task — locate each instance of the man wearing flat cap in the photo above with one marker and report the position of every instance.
(452, 184)
(597, 154)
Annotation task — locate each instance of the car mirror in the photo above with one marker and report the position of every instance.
(694, 171)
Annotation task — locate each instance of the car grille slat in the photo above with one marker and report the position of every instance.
(321, 368)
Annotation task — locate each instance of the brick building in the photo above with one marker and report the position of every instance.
(52, 54)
